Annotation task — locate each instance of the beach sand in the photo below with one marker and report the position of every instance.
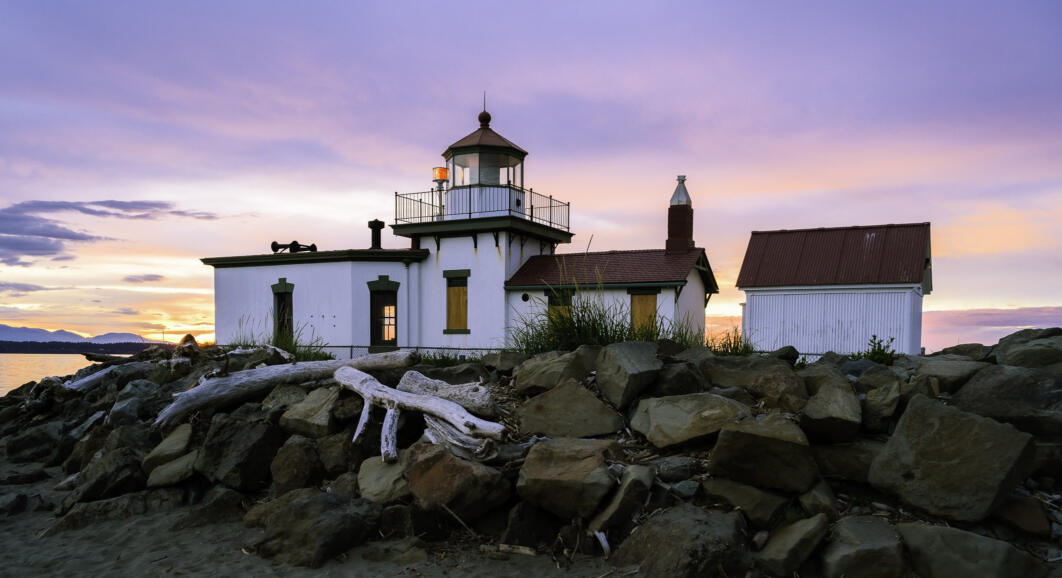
(147, 545)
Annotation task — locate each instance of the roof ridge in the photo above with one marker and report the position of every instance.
(851, 227)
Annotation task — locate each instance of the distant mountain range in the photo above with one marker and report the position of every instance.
(8, 333)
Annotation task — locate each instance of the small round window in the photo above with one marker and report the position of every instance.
(525, 297)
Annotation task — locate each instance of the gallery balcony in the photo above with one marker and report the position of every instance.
(467, 202)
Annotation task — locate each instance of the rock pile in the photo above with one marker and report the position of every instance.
(675, 462)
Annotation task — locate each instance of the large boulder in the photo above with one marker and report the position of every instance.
(832, 414)
(1028, 398)
(238, 453)
(975, 351)
(768, 452)
(312, 417)
(880, 405)
(529, 526)
(382, 482)
(568, 477)
(950, 462)
(761, 507)
(1045, 354)
(863, 546)
(118, 508)
(1019, 338)
(771, 380)
(313, 529)
(849, 461)
(170, 448)
(296, 465)
(817, 375)
(36, 443)
(568, 410)
(951, 371)
(628, 500)
(667, 421)
(504, 361)
(943, 552)
(173, 472)
(686, 541)
(438, 479)
(115, 473)
(625, 369)
(789, 546)
(547, 371)
(678, 379)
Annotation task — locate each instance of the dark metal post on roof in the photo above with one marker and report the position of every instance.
(376, 225)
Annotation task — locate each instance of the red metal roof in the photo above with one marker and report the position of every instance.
(838, 256)
(613, 268)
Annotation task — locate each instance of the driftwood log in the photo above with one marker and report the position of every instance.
(458, 422)
(474, 397)
(243, 385)
(89, 382)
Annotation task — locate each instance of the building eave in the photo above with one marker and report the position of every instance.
(391, 255)
(461, 227)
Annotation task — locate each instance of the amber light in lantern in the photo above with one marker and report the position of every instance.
(440, 174)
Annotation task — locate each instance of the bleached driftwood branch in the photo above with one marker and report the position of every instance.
(89, 382)
(469, 447)
(240, 386)
(375, 393)
(474, 397)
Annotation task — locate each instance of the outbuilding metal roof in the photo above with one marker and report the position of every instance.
(613, 268)
(880, 254)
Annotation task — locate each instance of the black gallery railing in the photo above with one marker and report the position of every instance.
(475, 201)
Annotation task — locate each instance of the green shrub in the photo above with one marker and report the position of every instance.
(878, 351)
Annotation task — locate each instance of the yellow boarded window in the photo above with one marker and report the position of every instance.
(643, 310)
(457, 303)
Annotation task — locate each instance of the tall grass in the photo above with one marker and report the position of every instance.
(591, 321)
(730, 342)
(252, 334)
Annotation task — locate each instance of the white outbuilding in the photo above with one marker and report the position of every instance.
(481, 258)
(832, 289)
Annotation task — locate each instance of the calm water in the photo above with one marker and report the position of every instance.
(18, 368)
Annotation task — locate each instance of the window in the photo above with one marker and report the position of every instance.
(283, 312)
(383, 314)
(456, 301)
(643, 310)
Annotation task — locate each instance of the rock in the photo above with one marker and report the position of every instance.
(767, 452)
(588, 354)
(124, 412)
(686, 489)
(677, 379)
(788, 354)
(438, 479)
(312, 417)
(628, 500)
(668, 421)
(313, 529)
(345, 484)
(698, 355)
(832, 358)
(348, 407)
(170, 448)
(220, 505)
(817, 375)
(975, 351)
(530, 526)
(568, 410)
(381, 482)
(950, 462)
(686, 541)
(27, 477)
(12, 504)
(770, 380)
(761, 507)
(863, 546)
(1026, 514)
(880, 405)
(942, 552)
(173, 472)
(547, 371)
(789, 546)
(504, 361)
(36, 443)
(625, 369)
(850, 461)
(856, 367)
(672, 469)
(238, 453)
(952, 372)
(137, 388)
(1043, 353)
(296, 465)
(735, 393)
(453, 374)
(819, 500)
(135, 437)
(115, 473)
(832, 414)
(118, 508)
(879, 376)
(338, 453)
(567, 477)
(1028, 398)
(401, 521)
(261, 514)
(284, 397)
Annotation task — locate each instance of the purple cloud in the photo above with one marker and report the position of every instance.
(126, 311)
(147, 278)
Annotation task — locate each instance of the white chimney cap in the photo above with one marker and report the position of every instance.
(681, 196)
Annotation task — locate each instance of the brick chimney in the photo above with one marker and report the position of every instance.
(680, 220)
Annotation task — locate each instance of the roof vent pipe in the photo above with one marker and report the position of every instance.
(376, 225)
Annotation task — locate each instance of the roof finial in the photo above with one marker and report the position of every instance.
(484, 101)
(484, 117)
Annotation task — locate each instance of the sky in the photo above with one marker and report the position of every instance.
(137, 137)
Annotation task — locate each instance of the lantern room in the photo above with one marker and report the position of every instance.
(485, 158)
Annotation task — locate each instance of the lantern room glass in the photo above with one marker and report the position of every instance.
(486, 168)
